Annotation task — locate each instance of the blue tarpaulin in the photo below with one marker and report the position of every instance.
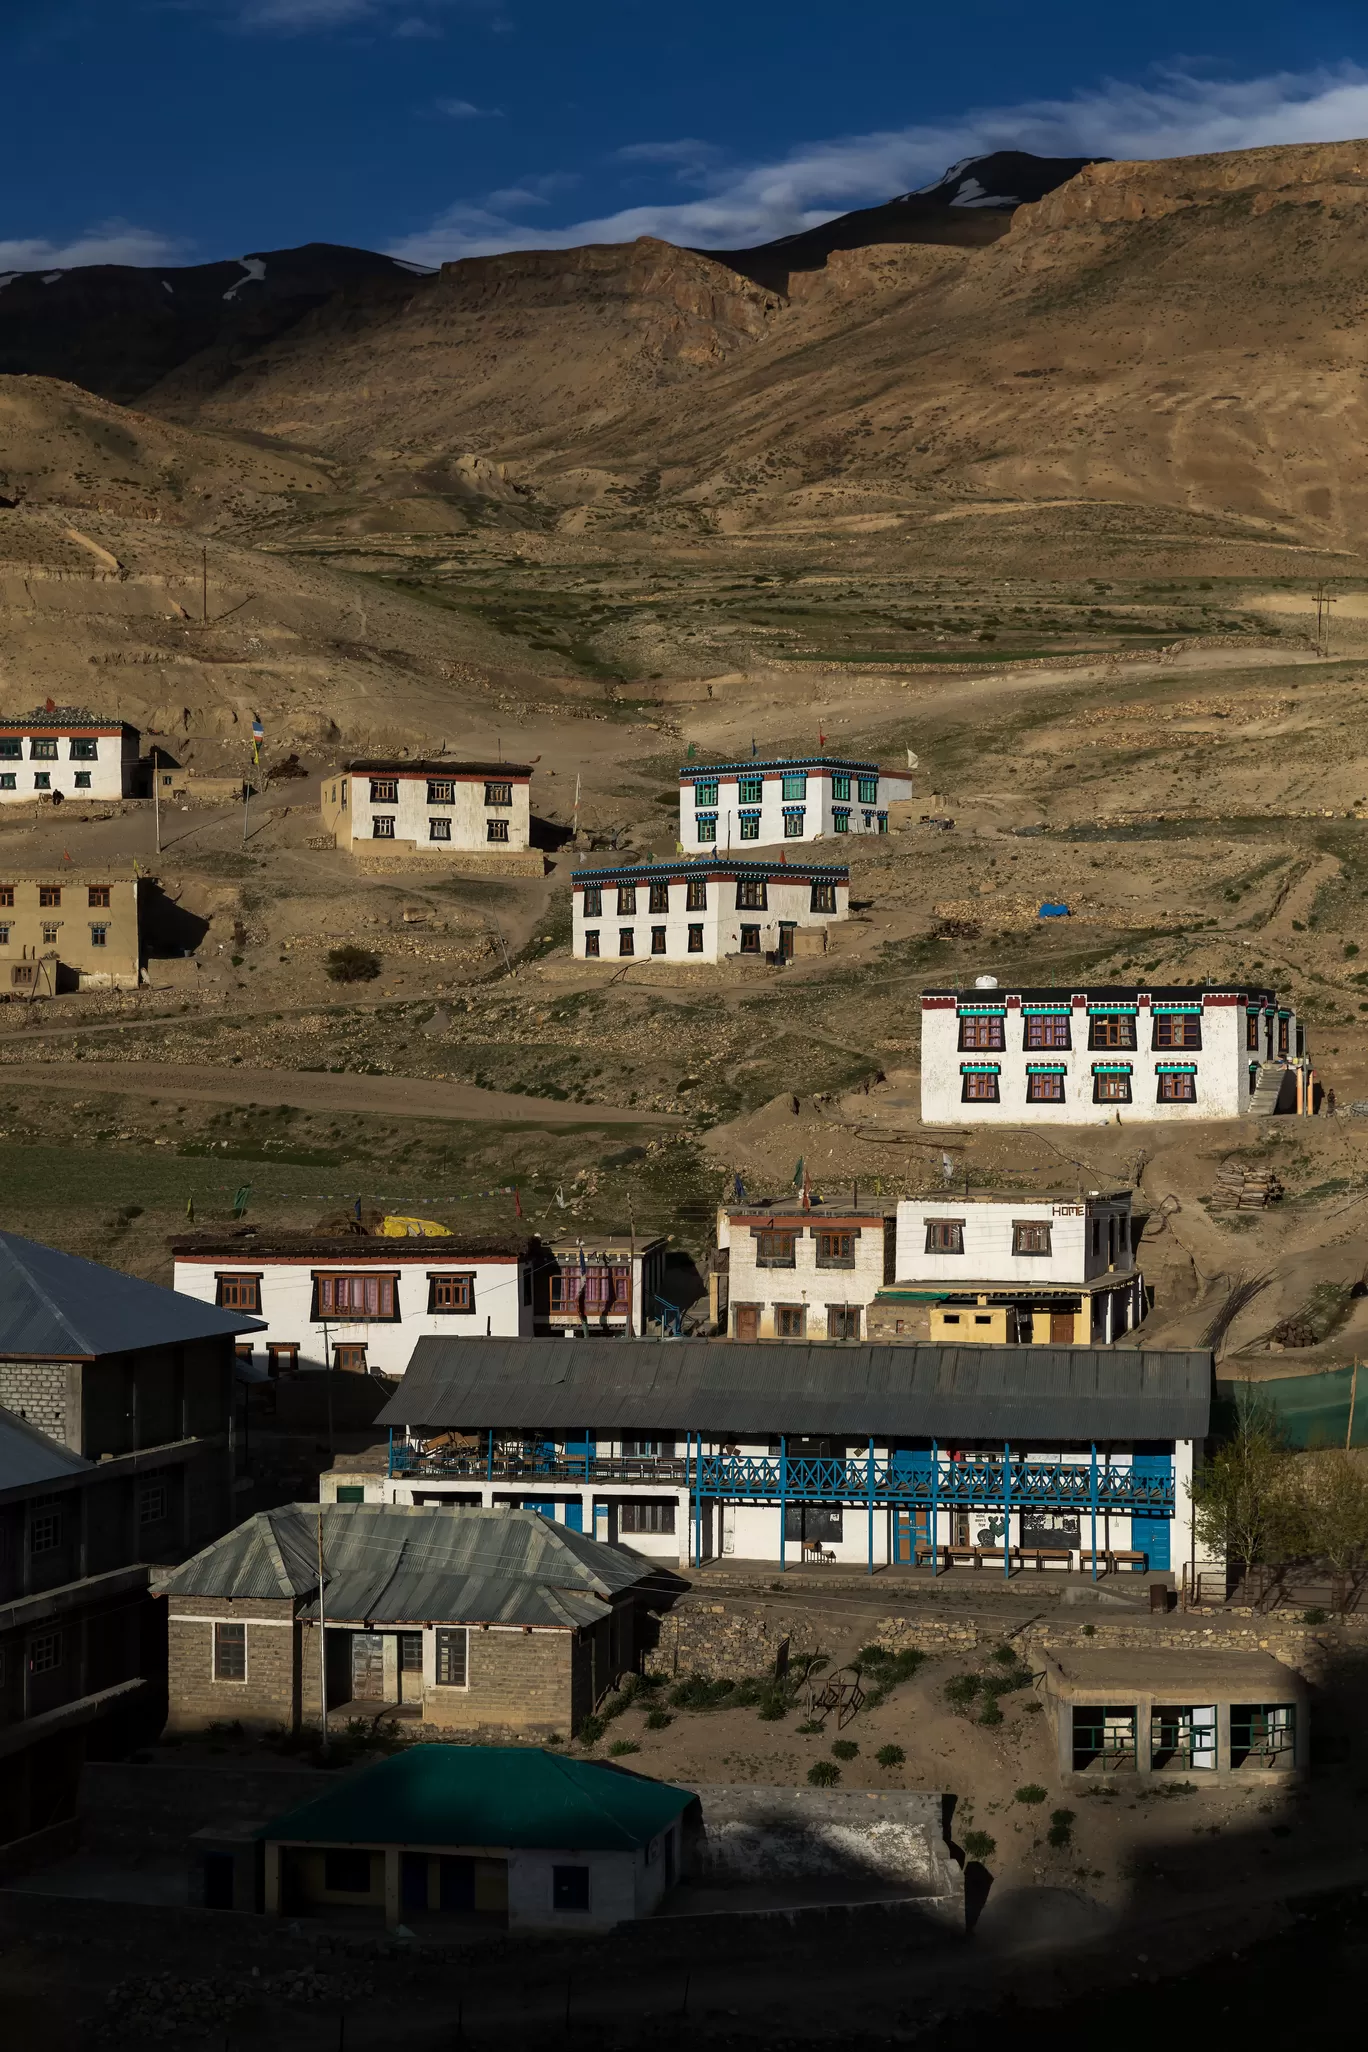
(1052, 911)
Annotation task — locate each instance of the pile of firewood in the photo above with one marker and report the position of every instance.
(1240, 1187)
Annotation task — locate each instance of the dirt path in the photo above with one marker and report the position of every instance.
(392, 1096)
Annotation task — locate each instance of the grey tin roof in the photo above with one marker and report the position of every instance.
(1050, 1394)
(28, 1455)
(56, 1306)
(390, 1563)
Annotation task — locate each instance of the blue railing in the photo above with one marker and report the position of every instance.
(951, 1485)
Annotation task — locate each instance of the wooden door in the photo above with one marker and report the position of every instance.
(748, 1321)
(368, 1666)
(786, 933)
(1061, 1328)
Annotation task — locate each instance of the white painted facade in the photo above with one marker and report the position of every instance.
(417, 1289)
(66, 754)
(599, 1282)
(1085, 1238)
(796, 1275)
(703, 911)
(622, 1885)
(429, 808)
(733, 804)
(1068, 1058)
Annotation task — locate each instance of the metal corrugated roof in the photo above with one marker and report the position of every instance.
(1053, 1394)
(57, 1306)
(388, 1563)
(487, 1795)
(28, 1455)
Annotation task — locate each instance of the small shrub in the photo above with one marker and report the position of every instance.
(1032, 1792)
(1006, 1656)
(824, 1774)
(1089, 1631)
(350, 964)
(1034, 1704)
(990, 1713)
(1060, 1832)
(890, 1756)
(844, 1749)
(774, 1704)
(810, 1725)
(698, 1693)
(979, 1845)
(888, 1670)
(1315, 1616)
(591, 1730)
(657, 1719)
(960, 1692)
(621, 1746)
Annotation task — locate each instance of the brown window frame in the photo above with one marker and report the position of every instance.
(325, 1296)
(1284, 1035)
(658, 940)
(695, 946)
(350, 1357)
(626, 900)
(1025, 1230)
(1190, 1024)
(441, 791)
(498, 794)
(752, 894)
(775, 1247)
(980, 1086)
(439, 829)
(696, 895)
(790, 1321)
(97, 896)
(282, 1357)
(626, 942)
(496, 830)
(1252, 1032)
(383, 791)
(985, 1033)
(229, 1635)
(840, 1319)
(1045, 1089)
(49, 895)
(750, 941)
(230, 1286)
(1167, 1091)
(592, 907)
(444, 1283)
(1047, 1031)
(844, 1254)
(823, 898)
(1112, 1089)
(659, 897)
(1102, 1026)
(591, 944)
(7, 894)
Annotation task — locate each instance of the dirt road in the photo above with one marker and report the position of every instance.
(392, 1096)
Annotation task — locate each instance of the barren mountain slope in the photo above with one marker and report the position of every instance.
(1178, 334)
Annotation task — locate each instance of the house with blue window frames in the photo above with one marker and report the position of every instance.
(798, 798)
(1016, 1458)
(698, 912)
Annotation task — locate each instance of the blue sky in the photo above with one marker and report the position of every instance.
(155, 131)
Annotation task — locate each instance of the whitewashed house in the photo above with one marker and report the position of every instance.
(1051, 1269)
(358, 1302)
(782, 1272)
(704, 911)
(858, 1455)
(599, 1282)
(802, 798)
(66, 751)
(1069, 1058)
(430, 808)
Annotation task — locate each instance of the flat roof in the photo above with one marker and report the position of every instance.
(346, 1249)
(778, 763)
(713, 866)
(948, 1198)
(1116, 993)
(61, 717)
(1178, 1670)
(791, 1207)
(493, 770)
(957, 1394)
(616, 1243)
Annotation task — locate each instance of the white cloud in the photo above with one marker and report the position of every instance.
(466, 110)
(299, 17)
(111, 242)
(1175, 114)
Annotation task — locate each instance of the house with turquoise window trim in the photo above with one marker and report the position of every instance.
(726, 805)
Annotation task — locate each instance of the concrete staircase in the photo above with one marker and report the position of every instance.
(1267, 1090)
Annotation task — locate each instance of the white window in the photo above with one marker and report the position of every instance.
(453, 1657)
(439, 829)
(382, 826)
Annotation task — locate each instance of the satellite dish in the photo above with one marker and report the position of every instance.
(912, 758)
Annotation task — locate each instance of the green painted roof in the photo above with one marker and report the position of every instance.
(519, 1796)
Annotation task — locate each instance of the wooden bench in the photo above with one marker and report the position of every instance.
(1111, 1561)
(813, 1549)
(1040, 1554)
(974, 1555)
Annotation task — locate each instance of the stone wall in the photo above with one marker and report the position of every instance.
(266, 1699)
(1307, 1649)
(739, 1637)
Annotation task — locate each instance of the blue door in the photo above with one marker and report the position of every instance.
(574, 1516)
(547, 1509)
(1150, 1535)
(911, 1522)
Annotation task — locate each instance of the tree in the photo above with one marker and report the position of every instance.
(350, 964)
(1245, 1497)
(1333, 1498)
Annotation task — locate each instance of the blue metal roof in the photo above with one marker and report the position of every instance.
(56, 1306)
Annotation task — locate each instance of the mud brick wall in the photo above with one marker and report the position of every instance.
(267, 1697)
(729, 1640)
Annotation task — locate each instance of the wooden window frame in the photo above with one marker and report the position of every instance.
(218, 1630)
(1163, 1041)
(330, 1312)
(695, 946)
(823, 898)
(1026, 1229)
(790, 1321)
(441, 791)
(843, 1316)
(449, 1637)
(750, 941)
(824, 1236)
(382, 826)
(443, 1281)
(1054, 1028)
(592, 907)
(696, 894)
(498, 794)
(626, 900)
(659, 898)
(626, 942)
(1045, 1087)
(775, 1247)
(752, 894)
(1112, 1088)
(383, 791)
(658, 940)
(1168, 1092)
(282, 1356)
(972, 1029)
(591, 944)
(439, 829)
(497, 830)
(228, 1284)
(43, 748)
(980, 1086)
(98, 896)
(7, 895)
(944, 1236)
(648, 1514)
(359, 1366)
(1102, 1026)
(49, 897)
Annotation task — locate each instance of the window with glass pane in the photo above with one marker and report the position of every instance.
(705, 795)
(591, 942)
(593, 901)
(751, 894)
(384, 790)
(983, 1032)
(1111, 1029)
(823, 898)
(83, 750)
(1046, 1030)
(1030, 1236)
(795, 786)
(43, 750)
(840, 786)
(382, 826)
(626, 941)
(980, 1087)
(1177, 1029)
(626, 899)
(707, 826)
(441, 791)
(451, 1293)
(1177, 1090)
(496, 829)
(750, 790)
(835, 1250)
(840, 822)
(697, 899)
(660, 897)
(774, 1250)
(750, 826)
(793, 826)
(1111, 1089)
(453, 1661)
(239, 1292)
(1045, 1090)
(945, 1235)
(230, 1652)
(657, 940)
(695, 940)
(357, 1296)
(790, 1321)
(750, 940)
(498, 794)
(439, 829)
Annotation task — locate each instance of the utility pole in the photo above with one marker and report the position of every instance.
(1324, 600)
(204, 585)
(156, 796)
(322, 1645)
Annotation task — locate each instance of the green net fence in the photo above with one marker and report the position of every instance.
(1314, 1410)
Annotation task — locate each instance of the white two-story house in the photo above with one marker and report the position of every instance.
(64, 751)
(703, 911)
(1053, 1269)
(429, 808)
(803, 798)
(789, 1273)
(359, 1302)
(1070, 1058)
